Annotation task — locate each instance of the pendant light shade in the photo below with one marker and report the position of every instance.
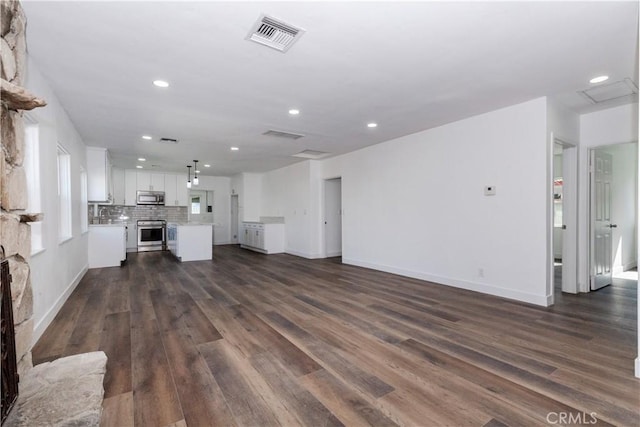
(196, 181)
(188, 176)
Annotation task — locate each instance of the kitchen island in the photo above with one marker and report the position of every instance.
(107, 245)
(190, 241)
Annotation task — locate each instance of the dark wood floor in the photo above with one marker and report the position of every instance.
(256, 340)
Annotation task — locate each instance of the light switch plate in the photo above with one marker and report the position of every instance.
(490, 190)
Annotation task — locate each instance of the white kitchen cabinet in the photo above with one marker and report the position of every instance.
(264, 238)
(143, 181)
(117, 176)
(107, 245)
(157, 182)
(175, 190)
(130, 187)
(132, 237)
(99, 186)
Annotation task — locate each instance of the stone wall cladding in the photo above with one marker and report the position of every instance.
(15, 236)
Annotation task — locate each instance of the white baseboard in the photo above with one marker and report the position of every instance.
(303, 254)
(542, 300)
(332, 254)
(617, 269)
(46, 320)
(637, 370)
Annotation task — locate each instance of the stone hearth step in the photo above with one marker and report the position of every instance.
(65, 392)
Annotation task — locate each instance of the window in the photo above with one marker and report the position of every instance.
(32, 172)
(64, 195)
(195, 205)
(84, 202)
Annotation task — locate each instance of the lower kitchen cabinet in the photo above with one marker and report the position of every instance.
(263, 237)
(190, 241)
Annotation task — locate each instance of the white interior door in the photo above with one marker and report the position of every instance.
(333, 217)
(601, 225)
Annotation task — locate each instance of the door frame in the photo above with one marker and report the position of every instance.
(569, 218)
(235, 219)
(324, 215)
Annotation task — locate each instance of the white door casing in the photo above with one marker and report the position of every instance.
(333, 217)
(601, 225)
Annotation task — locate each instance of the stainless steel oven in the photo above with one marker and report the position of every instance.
(152, 235)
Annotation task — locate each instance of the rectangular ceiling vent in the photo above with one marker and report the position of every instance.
(168, 141)
(281, 134)
(611, 91)
(274, 33)
(311, 154)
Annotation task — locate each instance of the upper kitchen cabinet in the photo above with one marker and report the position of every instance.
(175, 187)
(130, 187)
(150, 181)
(117, 175)
(100, 186)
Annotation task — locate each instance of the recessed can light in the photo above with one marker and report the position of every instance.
(372, 125)
(197, 171)
(599, 79)
(142, 159)
(138, 166)
(234, 148)
(147, 137)
(294, 112)
(161, 83)
(207, 166)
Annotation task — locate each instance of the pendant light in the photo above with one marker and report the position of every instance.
(196, 181)
(189, 176)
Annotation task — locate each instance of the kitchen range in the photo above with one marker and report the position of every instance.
(152, 235)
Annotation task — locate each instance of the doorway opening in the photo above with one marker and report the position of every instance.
(564, 220)
(235, 221)
(333, 217)
(613, 216)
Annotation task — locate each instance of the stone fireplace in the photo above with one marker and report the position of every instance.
(15, 233)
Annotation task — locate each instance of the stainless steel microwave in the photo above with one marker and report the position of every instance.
(150, 198)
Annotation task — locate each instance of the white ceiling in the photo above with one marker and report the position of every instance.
(407, 66)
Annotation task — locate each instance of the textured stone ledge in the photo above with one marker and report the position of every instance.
(65, 392)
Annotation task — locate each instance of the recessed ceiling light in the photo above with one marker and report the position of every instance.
(372, 125)
(207, 166)
(161, 83)
(197, 171)
(138, 166)
(234, 148)
(599, 79)
(142, 159)
(147, 137)
(294, 112)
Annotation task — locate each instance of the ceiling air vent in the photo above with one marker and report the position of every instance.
(281, 134)
(311, 154)
(611, 91)
(274, 33)
(168, 141)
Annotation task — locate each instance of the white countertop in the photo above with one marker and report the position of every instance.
(190, 224)
(108, 225)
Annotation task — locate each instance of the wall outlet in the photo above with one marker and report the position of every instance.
(490, 190)
(481, 272)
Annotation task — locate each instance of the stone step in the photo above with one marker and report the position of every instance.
(65, 392)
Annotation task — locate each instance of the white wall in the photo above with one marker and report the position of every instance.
(248, 187)
(220, 185)
(58, 269)
(624, 193)
(287, 192)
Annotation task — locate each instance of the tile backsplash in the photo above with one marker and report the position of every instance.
(120, 213)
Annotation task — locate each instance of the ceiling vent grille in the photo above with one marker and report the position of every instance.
(282, 134)
(611, 91)
(311, 154)
(273, 33)
(168, 141)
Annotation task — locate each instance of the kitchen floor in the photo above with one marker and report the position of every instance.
(260, 340)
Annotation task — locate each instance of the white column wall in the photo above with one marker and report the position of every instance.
(56, 271)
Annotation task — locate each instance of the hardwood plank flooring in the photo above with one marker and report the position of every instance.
(256, 340)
